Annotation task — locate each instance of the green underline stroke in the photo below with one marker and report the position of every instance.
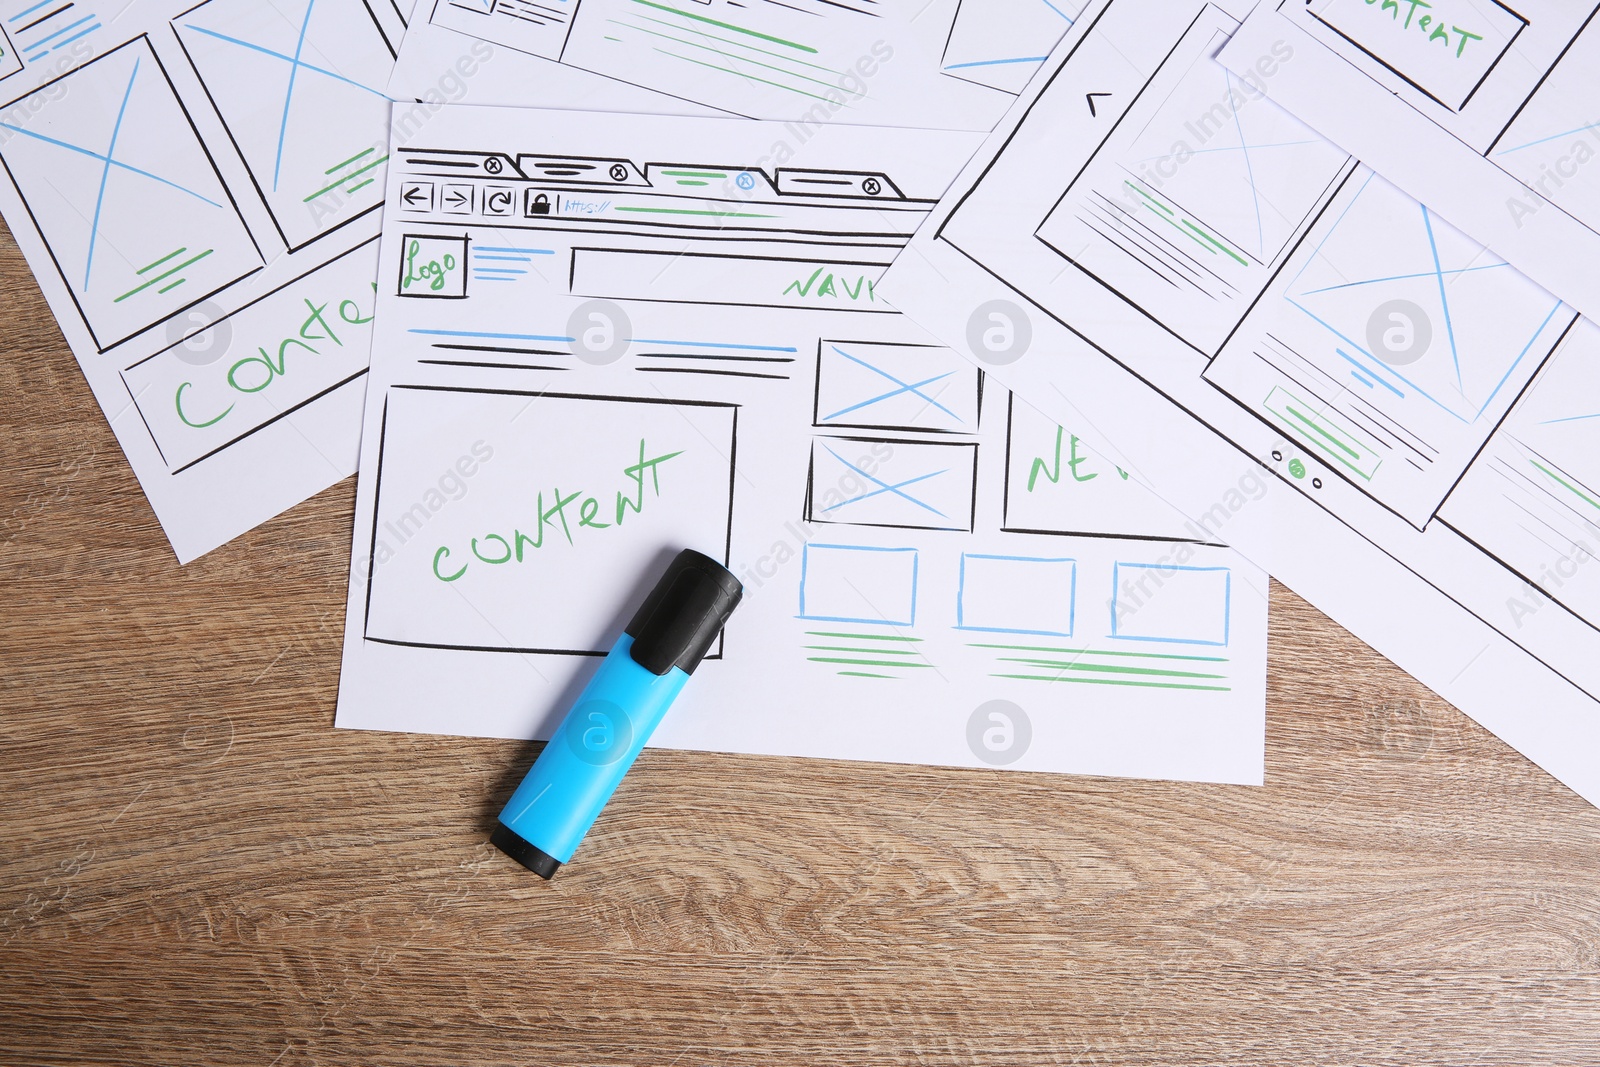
(1097, 652)
(352, 159)
(1116, 681)
(164, 274)
(727, 26)
(861, 637)
(1119, 669)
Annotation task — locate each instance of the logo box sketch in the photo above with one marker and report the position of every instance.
(438, 249)
(860, 584)
(89, 70)
(1017, 595)
(391, 608)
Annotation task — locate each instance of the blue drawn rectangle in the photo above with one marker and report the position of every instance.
(1171, 604)
(859, 584)
(882, 385)
(1017, 594)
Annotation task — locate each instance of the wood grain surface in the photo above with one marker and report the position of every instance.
(199, 869)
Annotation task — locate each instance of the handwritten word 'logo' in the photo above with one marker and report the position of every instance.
(434, 266)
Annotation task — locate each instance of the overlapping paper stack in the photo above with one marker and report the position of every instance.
(1002, 348)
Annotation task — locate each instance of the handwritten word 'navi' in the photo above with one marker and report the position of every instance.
(254, 373)
(827, 288)
(586, 515)
(1422, 22)
(431, 273)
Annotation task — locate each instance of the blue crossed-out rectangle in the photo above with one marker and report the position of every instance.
(884, 386)
(914, 485)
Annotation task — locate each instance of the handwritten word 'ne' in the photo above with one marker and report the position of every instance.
(586, 515)
(431, 273)
(1051, 468)
(254, 373)
(1422, 22)
(827, 287)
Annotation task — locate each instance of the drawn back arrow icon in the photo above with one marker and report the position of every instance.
(1090, 97)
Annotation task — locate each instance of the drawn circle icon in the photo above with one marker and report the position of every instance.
(745, 180)
(872, 187)
(1297, 469)
(1399, 332)
(492, 165)
(999, 732)
(600, 332)
(999, 332)
(200, 338)
(598, 732)
(619, 173)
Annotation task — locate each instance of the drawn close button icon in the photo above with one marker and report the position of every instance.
(498, 202)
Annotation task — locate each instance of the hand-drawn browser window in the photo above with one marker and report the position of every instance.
(944, 64)
(196, 189)
(1214, 294)
(1488, 112)
(601, 341)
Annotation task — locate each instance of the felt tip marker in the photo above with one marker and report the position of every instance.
(581, 765)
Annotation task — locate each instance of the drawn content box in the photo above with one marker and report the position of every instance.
(862, 584)
(1017, 594)
(1445, 48)
(1171, 604)
(520, 522)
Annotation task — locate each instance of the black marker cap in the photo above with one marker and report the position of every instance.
(524, 852)
(679, 620)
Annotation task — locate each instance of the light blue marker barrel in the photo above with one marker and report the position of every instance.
(563, 793)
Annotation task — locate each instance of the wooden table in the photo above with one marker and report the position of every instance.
(198, 869)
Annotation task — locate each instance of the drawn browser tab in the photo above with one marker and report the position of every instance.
(578, 170)
(795, 182)
(456, 164)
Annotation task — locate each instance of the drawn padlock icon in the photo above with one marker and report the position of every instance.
(539, 204)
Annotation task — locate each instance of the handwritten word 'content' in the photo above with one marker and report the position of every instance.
(577, 510)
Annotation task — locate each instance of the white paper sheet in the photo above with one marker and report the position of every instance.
(601, 339)
(944, 64)
(1147, 249)
(1489, 115)
(196, 188)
